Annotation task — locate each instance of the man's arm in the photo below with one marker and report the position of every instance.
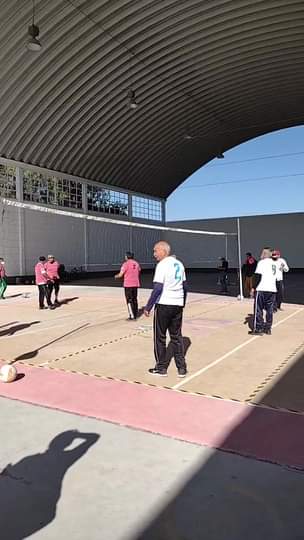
(120, 273)
(256, 278)
(154, 297)
(284, 266)
(185, 287)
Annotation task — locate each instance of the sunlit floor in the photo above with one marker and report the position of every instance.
(89, 334)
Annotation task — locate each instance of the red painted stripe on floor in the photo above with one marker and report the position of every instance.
(261, 433)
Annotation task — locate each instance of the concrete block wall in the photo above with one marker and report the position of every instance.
(281, 231)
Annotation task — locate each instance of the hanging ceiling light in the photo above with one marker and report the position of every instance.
(132, 103)
(33, 43)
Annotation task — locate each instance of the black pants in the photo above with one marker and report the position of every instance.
(224, 281)
(263, 301)
(131, 298)
(279, 295)
(168, 318)
(54, 285)
(44, 294)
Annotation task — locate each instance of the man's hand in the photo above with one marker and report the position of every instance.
(146, 313)
(252, 293)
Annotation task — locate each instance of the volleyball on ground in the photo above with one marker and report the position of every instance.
(8, 373)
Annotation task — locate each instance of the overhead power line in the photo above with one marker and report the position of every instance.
(244, 180)
(224, 163)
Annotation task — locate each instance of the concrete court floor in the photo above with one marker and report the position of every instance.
(105, 481)
(89, 334)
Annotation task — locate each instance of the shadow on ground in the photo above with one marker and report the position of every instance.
(32, 354)
(31, 488)
(16, 328)
(236, 498)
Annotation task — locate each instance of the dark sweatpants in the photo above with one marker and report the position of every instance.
(44, 294)
(131, 298)
(168, 318)
(279, 295)
(263, 301)
(54, 285)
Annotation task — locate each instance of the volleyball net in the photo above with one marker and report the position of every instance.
(93, 243)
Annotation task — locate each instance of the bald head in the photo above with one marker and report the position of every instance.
(266, 253)
(161, 250)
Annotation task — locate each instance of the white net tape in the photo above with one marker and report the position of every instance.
(89, 217)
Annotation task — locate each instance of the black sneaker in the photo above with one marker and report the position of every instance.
(181, 373)
(267, 332)
(155, 371)
(256, 333)
(52, 307)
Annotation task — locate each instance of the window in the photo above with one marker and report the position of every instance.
(107, 201)
(49, 189)
(146, 208)
(7, 181)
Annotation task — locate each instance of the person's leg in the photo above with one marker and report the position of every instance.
(246, 286)
(41, 290)
(279, 295)
(47, 295)
(50, 286)
(175, 332)
(269, 303)
(161, 323)
(3, 286)
(56, 288)
(134, 302)
(128, 295)
(223, 282)
(258, 320)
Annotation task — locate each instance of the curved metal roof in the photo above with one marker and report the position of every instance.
(208, 75)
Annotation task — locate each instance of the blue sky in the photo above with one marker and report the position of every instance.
(243, 196)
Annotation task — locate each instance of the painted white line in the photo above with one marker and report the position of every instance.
(215, 362)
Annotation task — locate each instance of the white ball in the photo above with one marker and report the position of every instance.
(8, 373)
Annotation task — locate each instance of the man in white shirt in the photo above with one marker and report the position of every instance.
(264, 292)
(169, 298)
(282, 267)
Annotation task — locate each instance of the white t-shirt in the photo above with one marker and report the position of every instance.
(269, 272)
(171, 273)
(282, 267)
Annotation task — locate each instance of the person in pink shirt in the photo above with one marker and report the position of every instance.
(130, 272)
(52, 270)
(41, 279)
(3, 280)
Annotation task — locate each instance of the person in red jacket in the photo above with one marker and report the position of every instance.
(52, 270)
(130, 271)
(41, 279)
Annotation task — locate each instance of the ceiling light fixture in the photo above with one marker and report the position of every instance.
(132, 103)
(33, 44)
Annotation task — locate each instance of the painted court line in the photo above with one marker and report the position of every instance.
(239, 347)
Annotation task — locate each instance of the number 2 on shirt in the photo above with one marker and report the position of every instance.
(177, 276)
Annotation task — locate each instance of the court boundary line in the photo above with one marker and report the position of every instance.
(229, 353)
(275, 372)
(151, 385)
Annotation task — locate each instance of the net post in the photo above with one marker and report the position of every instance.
(241, 295)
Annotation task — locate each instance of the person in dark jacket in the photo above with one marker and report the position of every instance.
(223, 271)
(248, 270)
